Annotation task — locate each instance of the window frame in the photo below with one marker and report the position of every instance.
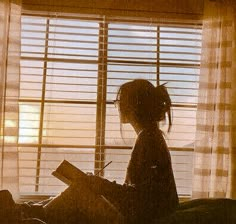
(101, 102)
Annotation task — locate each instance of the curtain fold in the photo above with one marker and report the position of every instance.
(10, 15)
(215, 151)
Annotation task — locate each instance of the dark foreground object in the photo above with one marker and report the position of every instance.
(204, 211)
(198, 211)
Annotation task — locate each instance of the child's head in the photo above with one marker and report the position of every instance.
(141, 101)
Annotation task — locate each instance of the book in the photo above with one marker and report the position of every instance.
(68, 173)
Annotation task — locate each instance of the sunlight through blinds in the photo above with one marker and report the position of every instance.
(58, 98)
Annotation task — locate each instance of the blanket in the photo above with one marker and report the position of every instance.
(198, 211)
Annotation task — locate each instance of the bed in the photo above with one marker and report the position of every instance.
(198, 211)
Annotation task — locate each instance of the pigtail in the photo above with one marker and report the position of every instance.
(163, 104)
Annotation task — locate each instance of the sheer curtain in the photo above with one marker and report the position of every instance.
(10, 12)
(215, 152)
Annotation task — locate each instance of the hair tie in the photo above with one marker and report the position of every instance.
(164, 101)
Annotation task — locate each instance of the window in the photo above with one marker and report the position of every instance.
(71, 69)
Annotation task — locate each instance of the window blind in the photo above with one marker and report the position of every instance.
(59, 75)
(159, 52)
(71, 69)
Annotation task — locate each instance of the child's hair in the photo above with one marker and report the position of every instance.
(149, 103)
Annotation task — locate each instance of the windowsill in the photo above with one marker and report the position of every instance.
(34, 197)
(184, 198)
